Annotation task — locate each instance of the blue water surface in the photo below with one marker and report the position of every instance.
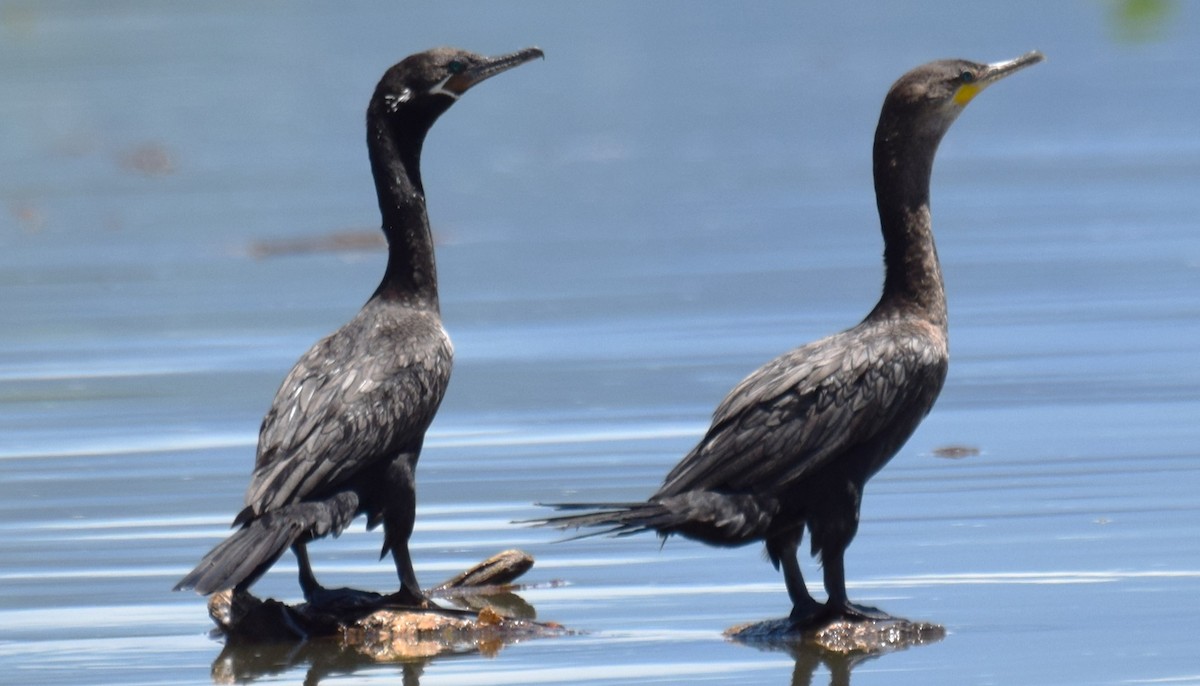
(679, 192)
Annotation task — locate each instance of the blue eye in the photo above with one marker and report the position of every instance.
(966, 77)
(455, 67)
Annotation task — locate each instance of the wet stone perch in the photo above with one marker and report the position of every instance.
(840, 636)
(375, 629)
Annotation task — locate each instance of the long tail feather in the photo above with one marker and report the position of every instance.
(724, 519)
(249, 552)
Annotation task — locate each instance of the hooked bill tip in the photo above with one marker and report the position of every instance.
(1031, 57)
(999, 70)
(1028, 59)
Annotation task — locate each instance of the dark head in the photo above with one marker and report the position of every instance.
(408, 100)
(924, 102)
(917, 112)
(418, 89)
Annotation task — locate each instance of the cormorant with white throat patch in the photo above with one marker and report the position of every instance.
(345, 429)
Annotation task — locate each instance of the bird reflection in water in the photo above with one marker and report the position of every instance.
(241, 662)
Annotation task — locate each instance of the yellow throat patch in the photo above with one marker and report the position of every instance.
(965, 92)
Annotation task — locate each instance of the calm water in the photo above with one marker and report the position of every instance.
(676, 194)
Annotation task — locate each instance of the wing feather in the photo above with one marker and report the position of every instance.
(812, 404)
(359, 395)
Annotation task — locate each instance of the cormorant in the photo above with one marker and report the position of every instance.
(345, 429)
(794, 443)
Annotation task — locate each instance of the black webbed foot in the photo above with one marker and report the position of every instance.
(854, 613)
(342, 600)
(408, 598)
(806, 614)
(819, 616)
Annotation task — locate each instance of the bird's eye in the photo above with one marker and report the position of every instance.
(456, 67)
(966, 77)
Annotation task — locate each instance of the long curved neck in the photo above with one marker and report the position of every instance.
(395, 151)
(903, 166)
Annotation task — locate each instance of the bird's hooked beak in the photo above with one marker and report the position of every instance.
(457, 84)
(993, 73)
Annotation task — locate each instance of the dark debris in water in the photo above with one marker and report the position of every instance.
(350, 240)
(28, 215)
(149, 159)
(840, 636)
(956, 452)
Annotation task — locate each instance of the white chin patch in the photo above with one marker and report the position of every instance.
(439, 88)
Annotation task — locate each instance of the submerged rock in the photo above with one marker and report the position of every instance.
(369, 626)
(388, 635)
(872, 637)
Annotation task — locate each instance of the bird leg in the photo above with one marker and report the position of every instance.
(838, 605)
(332, 600)
(410, 591)
(308, 580)
(804, 607)
(398, 519)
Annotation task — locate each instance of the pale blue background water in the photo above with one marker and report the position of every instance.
(679, 192)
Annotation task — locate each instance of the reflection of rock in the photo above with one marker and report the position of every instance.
(501, 600)
(839, 646)
(350, 629)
